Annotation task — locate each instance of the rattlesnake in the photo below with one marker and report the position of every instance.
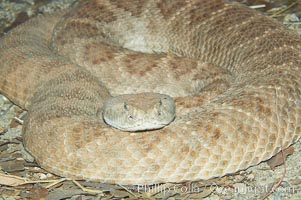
(234, 75)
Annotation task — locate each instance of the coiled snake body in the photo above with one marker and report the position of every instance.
(234, 75)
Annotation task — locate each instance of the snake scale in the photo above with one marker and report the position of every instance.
(234, 75)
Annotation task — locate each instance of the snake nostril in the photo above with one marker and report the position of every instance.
(126, 106)
(159, 104)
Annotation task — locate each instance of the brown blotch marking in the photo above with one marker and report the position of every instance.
(95, 11)
(96, 58)
(154, 167)
(268, 111)
(135, 7)
(73, 29)
(75, 138)
(106, 57)
(185, 150)
(258, 103)
(136, 65)
(181, 102)
(216, 134)
(272, 138)
(147, 147)
(208, 129)
(195, 101)
(215, 115)
(178, 66)
(76, 130)
(198, 18)
(97, 61)
(260, 110)
(205, 73)
(60, 39)
(168, 8)
(82, 28)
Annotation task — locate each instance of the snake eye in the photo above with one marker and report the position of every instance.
(126, 106)
(130, 117)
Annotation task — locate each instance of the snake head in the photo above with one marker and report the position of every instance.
(139, 112)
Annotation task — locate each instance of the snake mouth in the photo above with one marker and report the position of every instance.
(141, 127)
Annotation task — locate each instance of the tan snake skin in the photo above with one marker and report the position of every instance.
(238, 88)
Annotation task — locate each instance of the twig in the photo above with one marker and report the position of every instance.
(86, 189)
(277, 14)
(280, 181)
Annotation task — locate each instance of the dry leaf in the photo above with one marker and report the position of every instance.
(277, 159)
(11, 180)
(35, 193)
